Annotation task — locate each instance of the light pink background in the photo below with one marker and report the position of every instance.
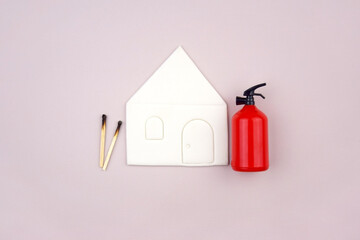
(64, 63)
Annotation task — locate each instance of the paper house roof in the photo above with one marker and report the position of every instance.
(177, 81)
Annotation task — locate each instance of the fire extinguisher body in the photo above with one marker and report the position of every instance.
(249, 140)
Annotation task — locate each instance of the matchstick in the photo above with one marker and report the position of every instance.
(108, 155)
(102, 141)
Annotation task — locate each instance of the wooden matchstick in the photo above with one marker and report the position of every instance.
(108, 155)
(102, 141)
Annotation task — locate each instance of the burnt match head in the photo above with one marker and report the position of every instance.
(118, 128)
(103, 119)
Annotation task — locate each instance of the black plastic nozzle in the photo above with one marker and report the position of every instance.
(249, 95)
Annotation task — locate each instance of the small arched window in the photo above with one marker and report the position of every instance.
(154, 128)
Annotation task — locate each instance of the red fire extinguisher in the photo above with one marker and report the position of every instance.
(249, 135)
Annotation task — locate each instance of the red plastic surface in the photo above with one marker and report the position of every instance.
(249, 140)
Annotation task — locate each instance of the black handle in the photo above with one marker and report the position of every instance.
(249, 95)
(250, 91)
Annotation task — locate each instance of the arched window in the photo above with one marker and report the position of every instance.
(154, 128)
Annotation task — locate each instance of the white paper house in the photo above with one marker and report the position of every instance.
(177, 118)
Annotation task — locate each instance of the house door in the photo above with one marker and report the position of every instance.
(197, 142)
